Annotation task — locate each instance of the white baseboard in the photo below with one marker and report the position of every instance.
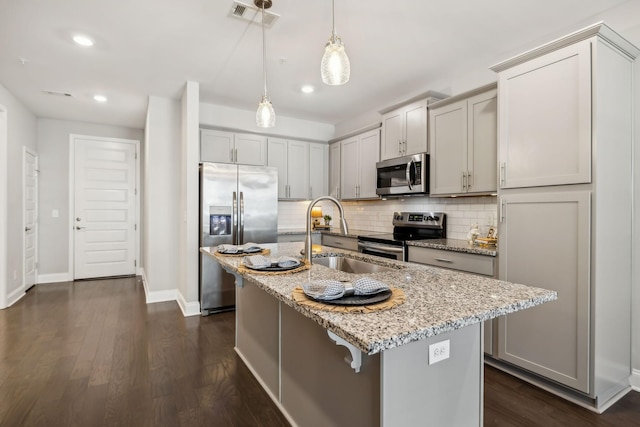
(54, 278)
(188, 308)
(635, 379)
(15, 296)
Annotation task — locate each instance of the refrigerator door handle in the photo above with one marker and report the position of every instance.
(234, 219)
(241, 227)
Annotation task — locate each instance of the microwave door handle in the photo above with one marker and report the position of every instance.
(408, 175)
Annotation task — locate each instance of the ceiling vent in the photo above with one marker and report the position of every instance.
(252, 14)
(56, 93)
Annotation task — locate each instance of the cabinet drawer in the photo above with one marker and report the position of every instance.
(342, 242)
(470, 263)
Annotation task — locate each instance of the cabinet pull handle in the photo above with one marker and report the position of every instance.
(468, 181)
(502, 173)
(448, 261)
(399, 146)
(502, 208)
(464, 181)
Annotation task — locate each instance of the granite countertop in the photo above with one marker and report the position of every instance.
(335, 231)
(455, 245)
(437, 300)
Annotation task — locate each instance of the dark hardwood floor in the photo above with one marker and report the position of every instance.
(92, 353)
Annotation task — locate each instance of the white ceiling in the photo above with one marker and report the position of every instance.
(397, 49)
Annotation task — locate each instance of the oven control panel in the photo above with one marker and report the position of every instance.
(419, 219)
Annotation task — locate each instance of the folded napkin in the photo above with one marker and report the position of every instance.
(333, 289)
(236, 249)
(261, 261)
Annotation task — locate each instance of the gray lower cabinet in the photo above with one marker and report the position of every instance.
(342, 242)
(470, 263)
(551, 340)
(316, 238)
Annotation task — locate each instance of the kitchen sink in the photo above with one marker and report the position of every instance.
(350, 265)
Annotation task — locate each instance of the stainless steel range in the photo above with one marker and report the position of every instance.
(406, 226)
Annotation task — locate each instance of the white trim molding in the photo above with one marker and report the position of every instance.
(635, 379)
(15, 296)
(187, 308)
(54, 278)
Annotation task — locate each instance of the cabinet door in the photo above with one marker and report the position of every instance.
(448, 129)
(349, 168)
(216, 146)
(250, 149)
(482, 144)
(391, 142)
(334, 170)
(545, 242)
(415, 128)
(277, 157)
(545, 119)
(298, 166)
(318, 170)
(368, 157)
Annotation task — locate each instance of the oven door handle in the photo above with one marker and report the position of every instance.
(380, 248)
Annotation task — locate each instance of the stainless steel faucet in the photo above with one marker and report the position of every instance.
(343, 224)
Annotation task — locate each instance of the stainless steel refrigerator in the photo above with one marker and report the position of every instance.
(238, 204)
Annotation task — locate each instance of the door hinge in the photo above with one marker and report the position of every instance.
(135, 191)
(135, 263)
(135, 227)
(135, 155)
(37, 264)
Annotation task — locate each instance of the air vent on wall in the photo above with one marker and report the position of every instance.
(56, 93)
(251, 13)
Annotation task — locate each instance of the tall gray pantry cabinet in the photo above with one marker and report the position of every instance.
(565, 141)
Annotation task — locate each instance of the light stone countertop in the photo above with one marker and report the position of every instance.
(437, 300)
(455, 245)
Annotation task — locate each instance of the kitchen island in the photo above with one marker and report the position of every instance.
(419, 363)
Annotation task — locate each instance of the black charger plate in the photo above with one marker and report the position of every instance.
(358, 299)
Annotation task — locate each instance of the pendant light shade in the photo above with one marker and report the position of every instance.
(266, 115)
(335, 67)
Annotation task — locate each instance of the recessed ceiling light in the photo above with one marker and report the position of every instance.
(307, 89)
(100, 98)
(82, 40)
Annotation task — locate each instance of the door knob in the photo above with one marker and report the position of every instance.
(27, 229)
(78, 219)
(79, 228)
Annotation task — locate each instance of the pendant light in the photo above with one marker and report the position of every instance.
(265, 116)
(335, 67)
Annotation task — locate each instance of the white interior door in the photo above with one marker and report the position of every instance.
(30, 217)
(104, 215)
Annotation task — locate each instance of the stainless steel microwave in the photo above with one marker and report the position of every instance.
(408, 175)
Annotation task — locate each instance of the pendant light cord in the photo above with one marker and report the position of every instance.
(333, 19)
(264, 53)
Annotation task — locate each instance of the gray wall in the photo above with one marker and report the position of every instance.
(161, 201)
(53, 149)
(21, 132)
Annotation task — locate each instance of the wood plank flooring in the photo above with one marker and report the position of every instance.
(92, 353)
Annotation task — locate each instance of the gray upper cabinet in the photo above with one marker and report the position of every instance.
(547, 122)
(334, 170)
(229, 147)
(463, 143)
(566, 131)
(302, 168)
(358, 158)
(318, 170)
(404, 131)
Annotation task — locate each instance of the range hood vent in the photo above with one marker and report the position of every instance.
(252, 14)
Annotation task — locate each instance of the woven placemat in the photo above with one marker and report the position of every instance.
(262, 252)
(303, 266)
(397, 298)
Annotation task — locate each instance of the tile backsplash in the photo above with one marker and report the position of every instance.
(376, 215)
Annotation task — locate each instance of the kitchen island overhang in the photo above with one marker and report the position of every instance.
(398, 384)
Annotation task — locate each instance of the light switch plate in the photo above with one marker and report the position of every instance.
(438, 352)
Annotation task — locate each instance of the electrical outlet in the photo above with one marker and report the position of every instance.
(438, 352)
